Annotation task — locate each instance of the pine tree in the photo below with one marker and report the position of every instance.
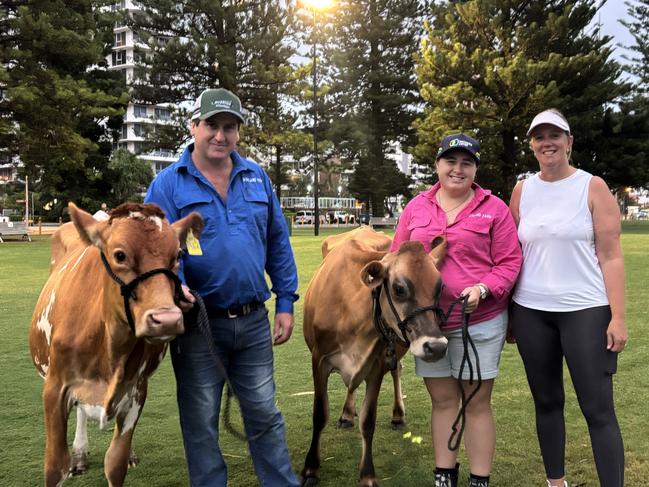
(62, 101)
(372, 91)
(243, 46)
(488, 66)
(638, 11)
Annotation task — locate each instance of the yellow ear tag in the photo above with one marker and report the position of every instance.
(193, 245)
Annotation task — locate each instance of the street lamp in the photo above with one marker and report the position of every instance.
(316, 5)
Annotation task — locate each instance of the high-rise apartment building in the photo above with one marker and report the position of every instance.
(138, 117)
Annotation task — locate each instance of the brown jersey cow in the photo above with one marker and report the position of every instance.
(340, 332)
(94, 348)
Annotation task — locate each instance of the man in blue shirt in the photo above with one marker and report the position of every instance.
(245, 234)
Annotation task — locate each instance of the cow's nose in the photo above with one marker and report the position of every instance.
(166, 322)
(434, 350)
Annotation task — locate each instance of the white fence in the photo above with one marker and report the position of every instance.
(327, 203)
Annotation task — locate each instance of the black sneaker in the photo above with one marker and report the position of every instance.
(446, 477)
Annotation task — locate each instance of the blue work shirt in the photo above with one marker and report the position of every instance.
(242, 237)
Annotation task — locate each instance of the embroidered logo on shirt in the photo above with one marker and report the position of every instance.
(254, 179)
(481, 215)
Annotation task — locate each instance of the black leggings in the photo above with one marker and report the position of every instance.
(543, 339)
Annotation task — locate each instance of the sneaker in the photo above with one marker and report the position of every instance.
(565, 483)
(446, 477)
(478, 483)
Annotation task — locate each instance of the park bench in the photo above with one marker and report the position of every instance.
(14, 229)
(383, 222)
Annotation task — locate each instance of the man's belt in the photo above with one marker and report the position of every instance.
(233, 311)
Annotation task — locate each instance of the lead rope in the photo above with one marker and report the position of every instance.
(457, 431)
(203, 323)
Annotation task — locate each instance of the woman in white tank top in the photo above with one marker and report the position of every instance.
(569, 299)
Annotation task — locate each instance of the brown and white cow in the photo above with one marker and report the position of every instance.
(82, 341)
(339, 328)
(381, 242)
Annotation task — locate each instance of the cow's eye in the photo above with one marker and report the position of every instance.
(399, 289)
(120, 256)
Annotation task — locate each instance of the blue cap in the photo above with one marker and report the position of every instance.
(460, 142)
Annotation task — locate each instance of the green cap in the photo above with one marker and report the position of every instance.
(219, 100)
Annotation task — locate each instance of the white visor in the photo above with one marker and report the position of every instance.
(550, 118)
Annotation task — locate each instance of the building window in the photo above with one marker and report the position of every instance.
(118, 6)
(138, 130)
(162, 113)
(136, 38)
(120, 39)
(124, 131)
(119, 58)
(160, 165)
(138, 147)
(139, 111)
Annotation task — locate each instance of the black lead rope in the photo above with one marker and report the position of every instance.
(388, 337)
(460, 421)
(203, 323)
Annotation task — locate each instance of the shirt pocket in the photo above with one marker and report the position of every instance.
(422, 228)
(201, 202)
(475, 242)
(257, 202)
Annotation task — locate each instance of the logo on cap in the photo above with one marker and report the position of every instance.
(222, 103)
(460, 143)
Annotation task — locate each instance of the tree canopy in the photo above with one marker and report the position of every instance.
(62, 101)
(488, 66)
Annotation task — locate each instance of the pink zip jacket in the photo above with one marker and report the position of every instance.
(482, 247)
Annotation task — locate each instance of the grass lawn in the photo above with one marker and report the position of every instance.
(399, 461)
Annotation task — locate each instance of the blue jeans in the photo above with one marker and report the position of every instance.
(245, 348)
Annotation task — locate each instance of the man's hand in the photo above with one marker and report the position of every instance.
(283, 328)
(184, 305)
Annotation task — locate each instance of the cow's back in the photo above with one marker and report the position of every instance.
(366, 235)
(68, 307)
(336, 303)
(65, 239)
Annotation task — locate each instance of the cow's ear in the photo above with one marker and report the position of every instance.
(86, 225)
(438, 246)
(193, 221)
(373, 273)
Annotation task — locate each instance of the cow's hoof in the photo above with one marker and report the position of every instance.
(398, 424)
(78, 462)
(344, 424)
(133, 459)
(308, 481)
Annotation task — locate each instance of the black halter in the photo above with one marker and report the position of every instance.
(128, 290)
(388, 336)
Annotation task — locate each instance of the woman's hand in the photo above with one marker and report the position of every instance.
(473, 293)
(616, 335)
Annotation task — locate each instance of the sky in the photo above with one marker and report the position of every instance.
(609, 16)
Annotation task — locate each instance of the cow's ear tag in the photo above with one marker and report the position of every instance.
(193, 245)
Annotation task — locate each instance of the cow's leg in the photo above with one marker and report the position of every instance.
(320, 416)
(57, 456)
(349, 411)
(399, 409)
(367, 424)
(118, 455)
(79, 461)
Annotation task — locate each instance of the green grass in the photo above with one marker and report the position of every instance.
(398, 461)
